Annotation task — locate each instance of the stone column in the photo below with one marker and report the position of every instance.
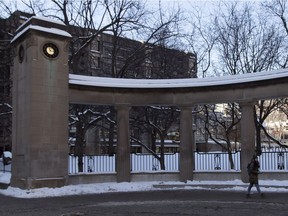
(247, 137)
(40, 105)
(123, 144)
(186, 144)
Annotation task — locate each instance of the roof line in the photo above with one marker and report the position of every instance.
(175, 83)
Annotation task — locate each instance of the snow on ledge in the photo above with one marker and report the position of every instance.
(175, 83)
(50, 30)
(43, 29)
(40, 18)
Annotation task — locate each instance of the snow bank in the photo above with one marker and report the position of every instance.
(98, 188)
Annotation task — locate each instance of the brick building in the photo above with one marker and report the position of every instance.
(119, 57)
(7, 29)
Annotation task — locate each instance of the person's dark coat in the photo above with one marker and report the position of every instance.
(253, 174)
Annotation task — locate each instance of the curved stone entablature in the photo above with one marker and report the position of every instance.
(178, 92)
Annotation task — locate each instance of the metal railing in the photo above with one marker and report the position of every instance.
(270, 160)
(147, 162)
(6, 161)
(274, 160)
(5, 167)
(216, 161)
(92, 164)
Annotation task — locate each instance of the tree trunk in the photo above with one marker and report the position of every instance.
(232, 165)
(258, 140)
(111, 149)
(153, 141)
(258, 129)
(79, 146)
(162, 153)
(111, 140)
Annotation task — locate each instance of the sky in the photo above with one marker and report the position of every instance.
(186, 4)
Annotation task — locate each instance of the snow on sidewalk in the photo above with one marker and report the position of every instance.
(236, 185)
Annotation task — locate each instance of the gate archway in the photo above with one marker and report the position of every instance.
(42, 90)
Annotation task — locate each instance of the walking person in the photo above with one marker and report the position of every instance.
(253, 171)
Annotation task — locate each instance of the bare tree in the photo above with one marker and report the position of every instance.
(266, 111)
(155, 121)
(247, 44)
(278, 9)
(84, 118)
(201, 40)
(221, 126)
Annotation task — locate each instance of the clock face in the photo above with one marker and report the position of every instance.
(50, 50)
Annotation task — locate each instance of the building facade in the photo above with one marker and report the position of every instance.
(7, 29)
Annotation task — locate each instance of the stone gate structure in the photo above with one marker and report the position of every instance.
(42, 90)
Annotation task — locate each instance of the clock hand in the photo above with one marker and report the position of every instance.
(50, 50)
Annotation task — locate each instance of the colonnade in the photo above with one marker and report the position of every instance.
(43, 89)
(187, 142)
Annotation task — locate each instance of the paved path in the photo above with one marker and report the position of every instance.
(163, 202)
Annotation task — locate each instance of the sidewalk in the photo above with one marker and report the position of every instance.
(154, 202)
(220, 185)
(96, 188)
(101, 188)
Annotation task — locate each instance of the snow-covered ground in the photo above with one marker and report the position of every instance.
(236, 185)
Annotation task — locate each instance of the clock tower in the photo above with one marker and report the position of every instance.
(40, 104)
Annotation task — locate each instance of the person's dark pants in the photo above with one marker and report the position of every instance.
(251, 185)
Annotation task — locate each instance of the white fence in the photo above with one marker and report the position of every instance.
(5, 168)
(147, 162)
(274, 161)
(216, 161)
(95, 164)
(139, 163)
(270, 160)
